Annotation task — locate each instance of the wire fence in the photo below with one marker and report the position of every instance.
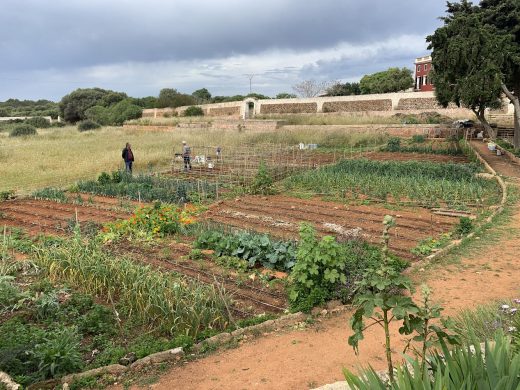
(239, 165)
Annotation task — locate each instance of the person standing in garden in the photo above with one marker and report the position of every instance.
(186, 155)
(128, 156)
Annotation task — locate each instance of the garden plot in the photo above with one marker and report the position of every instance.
(239, 165)
(281, 216)
(250, 296)
(43, 216)
(400, 156)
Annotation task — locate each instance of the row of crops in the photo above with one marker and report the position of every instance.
(149, 188)
(423, 182)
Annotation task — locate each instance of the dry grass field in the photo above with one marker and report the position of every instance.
(59, 157)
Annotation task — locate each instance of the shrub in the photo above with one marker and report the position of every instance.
(326, 269)
(23, 130)
(464, 227)
(59, 353)
(87, 125)
(263, 182)
(394, 144)
(418, 138)
(39, 122)
(194, 111)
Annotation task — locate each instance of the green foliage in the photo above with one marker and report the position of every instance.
(428, 245)
(263, 182)
(15, 107)
(391, 80)
(169, 97)
(58, 353)
(326, 269)
(162, 301)
(464, 227)
(123, 111)
(285, 95)
(50, 193)
(194, 111)
(496, 366)
(150, 222)
(418, 138)
(98, 320)
(202, 96)
(38, 122)
(256, 249)
(424, 182)
(483, 321)
(149, 188)
(10, 294)
(394, 144)
(74, 105)
(23, 131)
(470, 59)
(87, 125)
(345, 89)
(98, 114)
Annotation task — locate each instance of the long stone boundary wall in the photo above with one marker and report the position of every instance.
(358, 106)
(384, 104)
(293, 108)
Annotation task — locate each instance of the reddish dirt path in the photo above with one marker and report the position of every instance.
(501, 164)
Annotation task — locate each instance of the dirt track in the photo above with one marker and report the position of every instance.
(281, 216)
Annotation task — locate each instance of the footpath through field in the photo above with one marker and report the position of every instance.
(313, 356)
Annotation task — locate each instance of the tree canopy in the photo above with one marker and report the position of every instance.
(476, 57)
(390, 80)
(346, 89)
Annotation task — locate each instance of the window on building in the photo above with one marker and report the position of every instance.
(425, 67)
(418, 68)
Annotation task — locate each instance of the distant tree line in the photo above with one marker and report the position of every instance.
(107, 107)
(15, 107)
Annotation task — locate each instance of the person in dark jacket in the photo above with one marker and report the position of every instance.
(128, 156)
(186, 156)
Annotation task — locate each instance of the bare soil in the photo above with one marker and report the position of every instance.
(49, 217)
(391, 156)
(281, 216)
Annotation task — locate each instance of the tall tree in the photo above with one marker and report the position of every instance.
(346, 89)
(476, 58)
(202, 95)
(390, 80)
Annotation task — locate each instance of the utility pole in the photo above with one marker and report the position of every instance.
(250, 77)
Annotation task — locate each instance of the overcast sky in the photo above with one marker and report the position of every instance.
(50, 47)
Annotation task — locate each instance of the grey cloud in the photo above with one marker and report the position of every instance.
(37, 34)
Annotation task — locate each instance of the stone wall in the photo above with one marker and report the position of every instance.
(418, 104)
(289, 108)
(224, 111)
(358, 106)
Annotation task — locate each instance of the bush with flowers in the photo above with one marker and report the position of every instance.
(150, 222)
